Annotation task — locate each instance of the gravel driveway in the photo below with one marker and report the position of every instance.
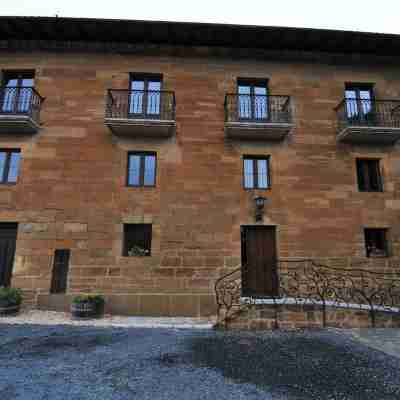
(67, 362)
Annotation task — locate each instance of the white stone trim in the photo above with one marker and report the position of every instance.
(301, 301)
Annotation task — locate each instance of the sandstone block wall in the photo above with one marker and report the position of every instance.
(71, 190)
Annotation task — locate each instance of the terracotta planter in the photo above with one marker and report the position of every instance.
(87, 310)
(6, 309)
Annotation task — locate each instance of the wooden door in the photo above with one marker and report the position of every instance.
(259, 275)
(8, 238)
(60, 271)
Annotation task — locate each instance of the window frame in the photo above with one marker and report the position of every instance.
(142, 155)
(358, 111)
(358, 87)
(19, 75)
(4, 179)
(255, 158)
(149, 240)
(252, 83)
(361, 167)
(384, 238)
(146, 78)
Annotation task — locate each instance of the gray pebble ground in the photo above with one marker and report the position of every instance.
(67, 362)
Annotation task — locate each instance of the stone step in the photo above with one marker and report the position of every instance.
(292, 317)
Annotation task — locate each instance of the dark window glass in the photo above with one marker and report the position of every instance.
(256, 172)
(376, 242)
(252, 99)
(60, 271)
(9, 165)
(142, 169)
(359, 100)
(17, 91)
(137, 240)
(369, 176)
(145, 96)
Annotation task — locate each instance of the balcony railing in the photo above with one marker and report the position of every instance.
(257, 108)
(257, 116)
(19, 109)
(140, 112)
(368, 120)
(140, 104)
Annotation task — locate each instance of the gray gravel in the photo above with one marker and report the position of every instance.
(66, 362)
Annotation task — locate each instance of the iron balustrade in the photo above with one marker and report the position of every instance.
(140, 104)
(306, 282)
(257, 108)
(368, 113)
(20, 101)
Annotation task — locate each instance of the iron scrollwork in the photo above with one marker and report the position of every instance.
(306, 282)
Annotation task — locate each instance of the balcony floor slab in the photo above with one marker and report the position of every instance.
(141, 127)
(257, 131)
(18, 124)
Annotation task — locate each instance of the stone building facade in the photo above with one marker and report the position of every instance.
(72, 192)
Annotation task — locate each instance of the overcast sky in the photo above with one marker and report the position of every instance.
(360, 15)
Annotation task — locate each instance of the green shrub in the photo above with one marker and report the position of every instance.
(10, 296)
(97, 299)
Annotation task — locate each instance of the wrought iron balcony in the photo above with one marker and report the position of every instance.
(140, 113)
(261, 117)
(368, 121)
(19, 110)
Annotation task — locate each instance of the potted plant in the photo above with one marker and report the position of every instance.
(10, 300)
(137, 251)
(85, 306)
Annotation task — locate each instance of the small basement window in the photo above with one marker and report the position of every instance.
(137, 240)
(369, 176)
(376, 242)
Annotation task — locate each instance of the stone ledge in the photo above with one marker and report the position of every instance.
(141, 304)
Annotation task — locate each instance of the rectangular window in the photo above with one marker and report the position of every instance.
(17, 91)
(369, 175)
(256, 172)
(376, 242)
(137, 240)
(145, 95)
(142, 169)
(359, 100)
(60, 271)
(9, 166)
(252, 99)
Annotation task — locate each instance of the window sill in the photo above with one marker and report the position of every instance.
(140, 187)
(146, 256)
(257, 189)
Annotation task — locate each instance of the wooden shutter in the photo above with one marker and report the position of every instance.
(375, 176)
(360, 175)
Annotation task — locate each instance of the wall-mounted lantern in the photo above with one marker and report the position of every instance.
(259, 202)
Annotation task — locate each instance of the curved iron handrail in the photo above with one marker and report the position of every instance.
(305, 281)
